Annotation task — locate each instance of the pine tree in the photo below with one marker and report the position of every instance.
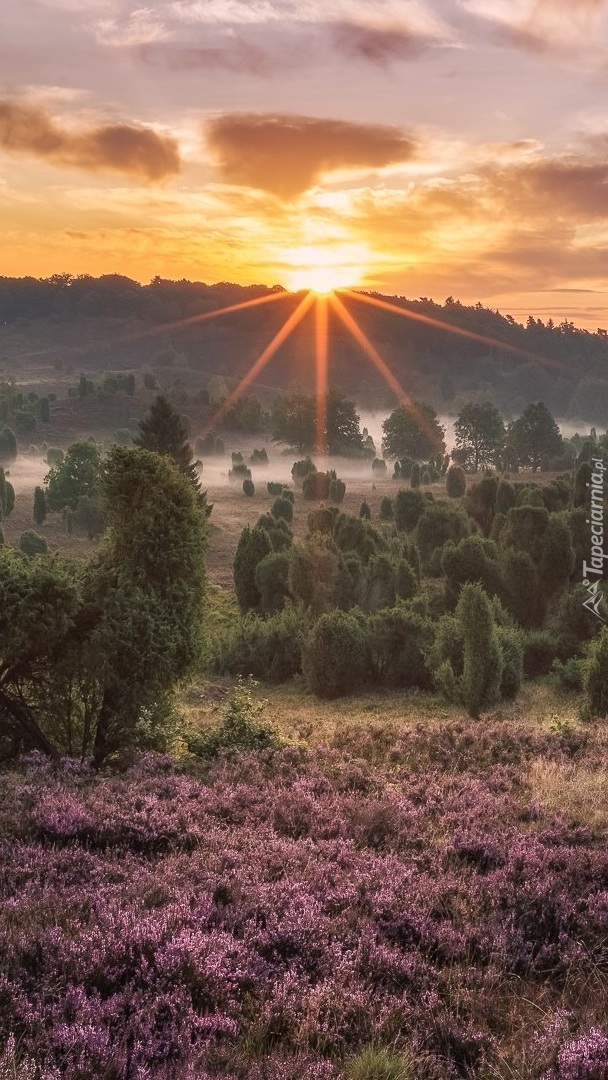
(164, 432)
(482, 667)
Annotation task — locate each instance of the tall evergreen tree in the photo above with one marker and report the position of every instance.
(164, 432)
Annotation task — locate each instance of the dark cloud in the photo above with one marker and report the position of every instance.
(135, 151)
(379, 45)
(286, 154)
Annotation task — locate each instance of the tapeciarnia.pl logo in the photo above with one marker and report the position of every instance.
(596, 520)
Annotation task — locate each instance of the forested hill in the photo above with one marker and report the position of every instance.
(105, 323)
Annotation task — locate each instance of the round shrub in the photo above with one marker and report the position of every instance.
(335, 656)
(364, 511)
(248, 487)
(301, 469)
(337, 491)
(275, 489)
(30, 543)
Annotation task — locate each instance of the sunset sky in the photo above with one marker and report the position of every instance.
(414, 147)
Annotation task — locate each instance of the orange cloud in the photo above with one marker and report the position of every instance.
(124, 148)
(287, 154)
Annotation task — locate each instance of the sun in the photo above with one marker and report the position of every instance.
(322, 270)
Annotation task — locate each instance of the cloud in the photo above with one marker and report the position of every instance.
(286, 155)
(543, 25)
(379, 44)
(136, 151)
(238, 56)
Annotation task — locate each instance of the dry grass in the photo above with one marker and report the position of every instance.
(577, 791)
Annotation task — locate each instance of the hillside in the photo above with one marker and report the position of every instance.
(54, 327)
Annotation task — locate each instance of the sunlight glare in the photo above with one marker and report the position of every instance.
(324, 269)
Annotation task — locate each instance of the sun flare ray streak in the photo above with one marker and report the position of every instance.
(280, 337)
(322, 351)
(204, 316)
(381, 366)
(438, 324)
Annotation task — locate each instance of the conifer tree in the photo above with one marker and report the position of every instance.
(164, 432)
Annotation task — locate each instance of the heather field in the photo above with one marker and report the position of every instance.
(434, 909)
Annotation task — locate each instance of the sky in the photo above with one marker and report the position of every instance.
(413, 147)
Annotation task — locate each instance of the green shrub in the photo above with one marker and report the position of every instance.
(409, 507)
(387, 509)
(505, 497)
(259, 457)
(272, 581)
(54, 456)
(30, 543)
(269, 649)
(337, 491)
(511, 646)
(242, 728)
(248, 488)
(275, 489)
(398, 642)
(239, 471)
(455, 482)
(335, 660)
(301, 469)
(415, 475)
(379, 466)
(253, 546)
(595, 676)
(406, 581)
(569, 674)
(287, 493)
(364, 511)
(282, 508)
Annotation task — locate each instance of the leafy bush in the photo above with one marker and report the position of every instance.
(364, 511)
(243, 727)
(30, 543)
(248, 488)
(259, 457)
(335, 659)
(269, 649)
(569, 674)
(275, 489)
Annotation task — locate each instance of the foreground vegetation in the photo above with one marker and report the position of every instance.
(432, 908)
